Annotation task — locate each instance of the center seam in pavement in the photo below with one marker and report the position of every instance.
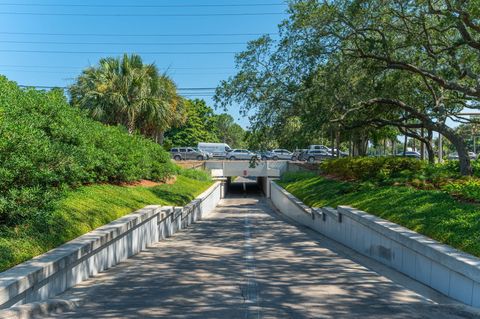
(251, 294)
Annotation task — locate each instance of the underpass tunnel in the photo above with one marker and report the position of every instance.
(244, 186)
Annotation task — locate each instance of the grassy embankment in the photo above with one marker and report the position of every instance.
(87, 208)
(433, 213)
(58, 168)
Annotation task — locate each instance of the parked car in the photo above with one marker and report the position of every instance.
(265, 155)
(188, 153)
(327, 150)
(282, 154)
(319, 147)
(240, 154)
(298, 154)
(454, 156)
(218, 150)
(410, 154)
(316, 155)
(342, 153)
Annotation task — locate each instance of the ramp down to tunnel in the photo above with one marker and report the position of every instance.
(247, 261)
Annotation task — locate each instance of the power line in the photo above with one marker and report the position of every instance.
(144, 14)
(70, 72)
(81, 67)
(65, 87)
(122, 43)
(137, 35)
(111, 52)
(141, 6)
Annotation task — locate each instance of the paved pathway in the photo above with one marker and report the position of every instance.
(247, 262)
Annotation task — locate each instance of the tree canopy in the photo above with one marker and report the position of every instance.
(203, 125)
(128, 92)
(344, 69)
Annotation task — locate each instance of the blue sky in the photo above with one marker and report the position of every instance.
(63, 37)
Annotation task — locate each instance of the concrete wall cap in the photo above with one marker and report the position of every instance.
(448, 256)
(25, 275)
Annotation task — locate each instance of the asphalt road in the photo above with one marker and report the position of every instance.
(246, 261)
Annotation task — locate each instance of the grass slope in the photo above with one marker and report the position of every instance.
(87, 208)
(432, 213)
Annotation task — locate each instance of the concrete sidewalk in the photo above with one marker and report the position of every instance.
(248, 262)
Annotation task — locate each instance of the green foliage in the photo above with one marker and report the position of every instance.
(228, 131)
(432, 213)
(372, 168)
(86, 208)
(468, 189)
(199, 126)
(202, 125)
(47, 145)
(196, 174)
(128, 92)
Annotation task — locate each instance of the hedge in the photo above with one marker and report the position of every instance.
(47, 146)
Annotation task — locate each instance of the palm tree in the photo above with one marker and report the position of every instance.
(128, 92)
(169, 112)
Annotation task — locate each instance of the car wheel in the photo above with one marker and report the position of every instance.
(294, 158)
(275, 158)
(311, 159)
(232, 158)
(177, 158)
(199, 158)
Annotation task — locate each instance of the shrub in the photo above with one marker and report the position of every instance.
(372, 168)
(45, 145)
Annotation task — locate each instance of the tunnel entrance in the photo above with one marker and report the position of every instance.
(244, 186)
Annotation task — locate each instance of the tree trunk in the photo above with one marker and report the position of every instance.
(429, 145)
(160, 138)
(422, 145)
(332, 142)
(405, 145)
(350, 147)
(430, 153)
(394, 147)
(459, 144)
(338, 143)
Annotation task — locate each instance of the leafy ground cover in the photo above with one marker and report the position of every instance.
(89, 207)
(434, 213)
(408, 172)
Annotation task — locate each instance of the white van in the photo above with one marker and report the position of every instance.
(218, 150)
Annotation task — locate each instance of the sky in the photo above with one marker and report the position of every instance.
(48, 43)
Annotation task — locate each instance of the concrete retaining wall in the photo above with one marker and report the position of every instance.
(441, 267)
(52, 273)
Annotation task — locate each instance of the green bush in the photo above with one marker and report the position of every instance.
(372, 168)
(47, 145)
